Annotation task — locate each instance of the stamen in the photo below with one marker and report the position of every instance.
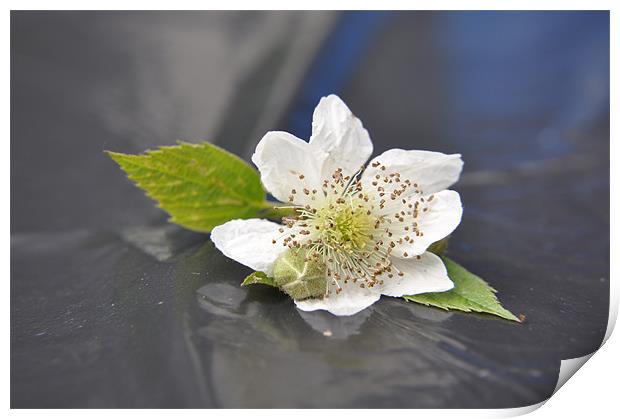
(351, 230)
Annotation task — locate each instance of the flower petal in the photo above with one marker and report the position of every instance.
(442, 217)
(339, 136)
(351, 300)
(250, 242)
(427, 274)
(287, 163)
(431, 171)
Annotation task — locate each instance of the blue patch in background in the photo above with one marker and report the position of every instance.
(334, 65)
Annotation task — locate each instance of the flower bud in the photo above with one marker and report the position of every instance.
(299, 276)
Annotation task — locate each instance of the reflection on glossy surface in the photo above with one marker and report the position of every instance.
(182, 332)
(287, 359)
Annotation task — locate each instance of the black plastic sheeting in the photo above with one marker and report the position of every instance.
(113, 307)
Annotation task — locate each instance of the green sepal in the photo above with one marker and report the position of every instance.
(439, 247)
(258, 278)
(299, 276)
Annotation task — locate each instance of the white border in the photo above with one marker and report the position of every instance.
(314, 5)
(594, 392)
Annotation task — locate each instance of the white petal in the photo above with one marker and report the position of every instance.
(442, 217)
(432, 171)
(285, 163)
(427, 274)
(352, 299)
(250, 242)
(340, 136)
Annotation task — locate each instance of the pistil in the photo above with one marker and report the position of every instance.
(353, 233)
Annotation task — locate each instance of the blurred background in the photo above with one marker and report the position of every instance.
(113, 307)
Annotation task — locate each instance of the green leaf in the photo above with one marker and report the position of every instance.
(470, 293)
(200, 185)
(258, 278)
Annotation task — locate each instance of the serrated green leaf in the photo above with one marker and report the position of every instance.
(199, 185)
(470, 293)
(258, 278)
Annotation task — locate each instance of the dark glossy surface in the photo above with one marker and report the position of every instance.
(111, 307)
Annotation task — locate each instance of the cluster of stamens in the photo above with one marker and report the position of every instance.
(354, 232)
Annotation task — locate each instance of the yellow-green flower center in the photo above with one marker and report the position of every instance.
(345, 224)
(349, 231)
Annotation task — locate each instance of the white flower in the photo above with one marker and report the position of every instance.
(368, 228)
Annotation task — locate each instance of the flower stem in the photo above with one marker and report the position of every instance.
(276, 210)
